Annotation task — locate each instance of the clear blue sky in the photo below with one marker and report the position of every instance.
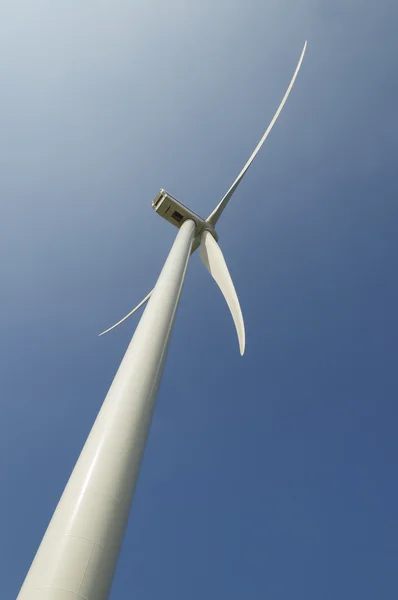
(268, 476)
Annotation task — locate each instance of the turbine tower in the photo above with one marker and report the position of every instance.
(78, 554)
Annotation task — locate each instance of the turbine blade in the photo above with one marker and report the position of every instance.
(215, 215)
(128, 315)
(214, 261)
(195, 246)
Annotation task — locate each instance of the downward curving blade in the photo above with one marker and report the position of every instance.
(215, 215)
(214, 261)
(128, 315)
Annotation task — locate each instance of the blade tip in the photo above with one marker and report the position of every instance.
(104, 332)
(242, 345)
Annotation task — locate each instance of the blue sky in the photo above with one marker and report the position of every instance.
(267, 476)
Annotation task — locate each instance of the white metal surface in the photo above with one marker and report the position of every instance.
(214, 261)
(78, 554)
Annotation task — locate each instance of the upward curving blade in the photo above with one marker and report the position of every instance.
(128, 315)
(215, 215)
(214, 261)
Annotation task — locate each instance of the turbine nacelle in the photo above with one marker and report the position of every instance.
(176, 213)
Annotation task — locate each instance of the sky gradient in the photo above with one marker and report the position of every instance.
(267, 476)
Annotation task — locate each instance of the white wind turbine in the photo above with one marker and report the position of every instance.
(77, 557)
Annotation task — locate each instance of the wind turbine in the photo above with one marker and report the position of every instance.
(78, 554)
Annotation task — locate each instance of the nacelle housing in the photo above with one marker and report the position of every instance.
(175, 212)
